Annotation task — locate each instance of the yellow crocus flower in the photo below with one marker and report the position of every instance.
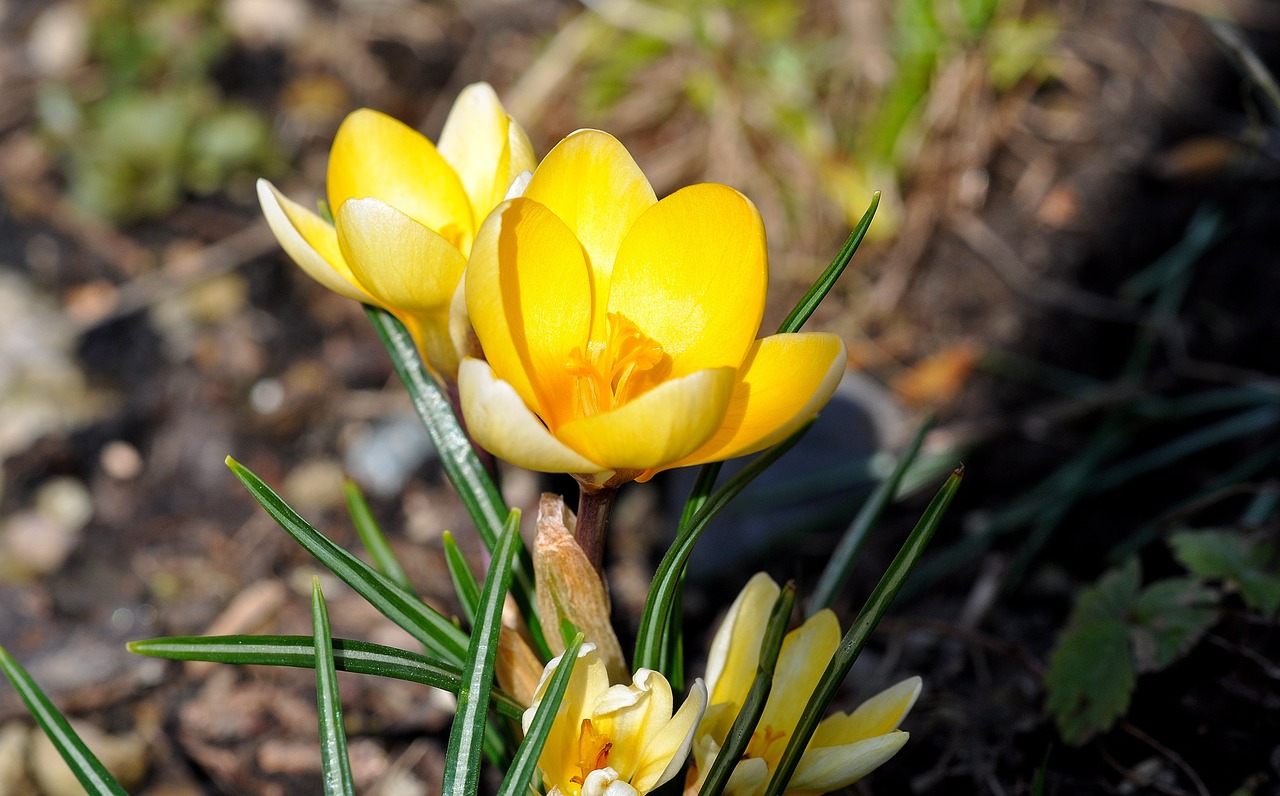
(845, 746)
(619, 331)
(406, 213)
(620, 740)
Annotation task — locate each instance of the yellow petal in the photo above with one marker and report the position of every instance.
(529, 299)
(834, 767)
(692, 274)
(399, 262)
(499, 422)
(476, 143)
(665, 751)
(879, 715)
(735, 650)
(591, 182)
(659, 427)
(588, 682)
(374, 155)
(309, 242)
(805, 653)
(785, 380)
(522, 158)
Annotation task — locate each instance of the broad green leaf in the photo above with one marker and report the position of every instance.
(333, 736)
(462, 758)
(93, 776)
(371, 535)
(524, 766)
(1251, 565)
(1169, 618)
(873, 610)
(739, 736)
(360, 657)
(479, 493)
(464, 581)
(436, 633)
(1090, 678)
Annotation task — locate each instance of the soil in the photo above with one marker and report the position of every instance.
(1005, 306)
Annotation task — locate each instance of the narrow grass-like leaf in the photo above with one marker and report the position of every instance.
(739, 737)
(479, 493)
(814, 296)
(856, 638)
(436, 633)
(464, 580)
(466, 739)
(93, 776)
(524, 766)
(359, 657)
(843, 557)
(333, 736)
(372, 537)
(662, 602)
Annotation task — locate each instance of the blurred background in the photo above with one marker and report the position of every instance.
(1074, 266)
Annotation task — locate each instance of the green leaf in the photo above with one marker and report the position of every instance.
(843, 557)
(93, 776)
(662, 600)
(333, 736)
(371, 535)
(464, 581)
(739, 736)
(360, 657)
(1248, 564)
(1170, 617)
(855, 639)
(479, 493)
(462, 759)
(1090, 678)
(827, 280)
(524, 766)
(435, 632)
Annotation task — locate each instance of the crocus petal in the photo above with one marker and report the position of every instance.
(664, 752)
(309, 242)
(804, 656)
(692, 274)
(630, 714)
(879, 715)
(834, 767)
(588, 682)
(661, 426)
(476, 143)
(735, 650)
(499, 422)
(591, 182)
(399, 262)
(784, 381)
(529, 298)
(374, 155)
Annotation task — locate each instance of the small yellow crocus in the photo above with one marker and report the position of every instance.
(405, 214)
(619, 331)
(620, 740)
(845, 746)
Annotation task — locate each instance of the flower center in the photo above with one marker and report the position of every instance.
(613, 371)
(762, 740)
(593, 751)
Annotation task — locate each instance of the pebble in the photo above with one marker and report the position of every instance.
(314, 485)
(384, 455)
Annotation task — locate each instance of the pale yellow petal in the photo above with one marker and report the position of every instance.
(529, 299)
(784, 381)
(376, 156)
(399, 262)
(805, 653)
(499, 422)
(309, 242)
(631, 715)
(879, 715)
(659, 427)
(476, 143)
(588, 682)
(834, 767)
(591, 182)
(735, 650)
(522, 158)
(692, 274)
(666, 750)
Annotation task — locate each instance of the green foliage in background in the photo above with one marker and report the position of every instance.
(143, 123)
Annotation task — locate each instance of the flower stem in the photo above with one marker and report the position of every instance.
(594, 504)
